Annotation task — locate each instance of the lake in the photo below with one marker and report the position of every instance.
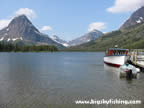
(41, 79)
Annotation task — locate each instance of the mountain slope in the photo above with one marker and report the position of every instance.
(60, 41)
(21, 29)
(93, 35)
(132, 37)
(136, 18)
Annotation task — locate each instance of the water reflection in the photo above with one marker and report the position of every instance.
(112, 70)
(44, 78)
(116, 72)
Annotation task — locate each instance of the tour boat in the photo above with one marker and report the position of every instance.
(116, 56)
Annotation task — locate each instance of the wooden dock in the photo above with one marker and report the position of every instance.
(136, 57)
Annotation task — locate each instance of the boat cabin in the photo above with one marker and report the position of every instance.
(116, 52)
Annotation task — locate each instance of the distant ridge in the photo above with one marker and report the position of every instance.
(93, 35)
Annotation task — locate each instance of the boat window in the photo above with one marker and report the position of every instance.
(126, 53)
(114, 52)
(119, 52)
(111, 52)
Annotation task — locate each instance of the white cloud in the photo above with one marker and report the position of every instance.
(46, 28)
(26, 11)
(96, 26)
(4, 23)
(125, 5)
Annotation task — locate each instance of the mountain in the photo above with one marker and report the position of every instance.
(93, 35)
(130, 35)
(136, 18)
(132, 38)
(60, 41)
(21, 29)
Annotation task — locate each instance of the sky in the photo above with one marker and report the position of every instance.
(70, 19)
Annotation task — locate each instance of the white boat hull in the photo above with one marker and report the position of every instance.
(116, 61)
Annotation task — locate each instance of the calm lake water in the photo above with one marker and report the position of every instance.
(61, 78)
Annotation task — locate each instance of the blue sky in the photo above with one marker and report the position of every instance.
(71, 18)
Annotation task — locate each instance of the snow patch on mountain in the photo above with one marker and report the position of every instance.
(138, 21)
(7, 29)
(14, 39)
(8, 39)
(60, 41)
(1, 39)
(141, 18)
